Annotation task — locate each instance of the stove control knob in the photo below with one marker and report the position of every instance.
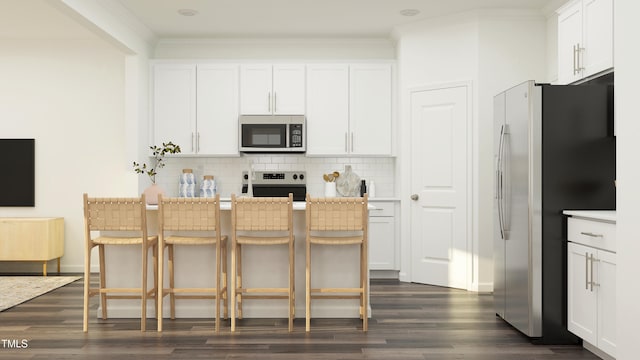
(301, 176)
(295, 177)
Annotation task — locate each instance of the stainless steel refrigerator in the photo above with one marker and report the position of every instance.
(554, 149)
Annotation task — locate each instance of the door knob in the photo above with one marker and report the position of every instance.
(415, 197)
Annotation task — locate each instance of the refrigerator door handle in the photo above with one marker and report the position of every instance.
(499, 183)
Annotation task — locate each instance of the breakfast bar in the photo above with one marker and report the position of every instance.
(263, 266)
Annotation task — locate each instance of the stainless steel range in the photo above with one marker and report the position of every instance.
(276, 183)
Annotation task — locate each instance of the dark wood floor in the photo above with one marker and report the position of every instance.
(409, 321)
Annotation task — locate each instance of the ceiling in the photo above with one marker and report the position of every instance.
(300, 18)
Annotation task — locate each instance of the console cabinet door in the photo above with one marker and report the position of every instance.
(582, 306)
(607, 313)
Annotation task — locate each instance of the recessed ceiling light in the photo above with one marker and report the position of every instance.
(409, 12)
(187, 12)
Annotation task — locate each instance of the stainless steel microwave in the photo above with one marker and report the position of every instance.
(272, 133)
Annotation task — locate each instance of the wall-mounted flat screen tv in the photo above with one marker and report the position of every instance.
(17, 172)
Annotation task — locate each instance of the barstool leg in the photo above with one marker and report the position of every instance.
(103, 280)
(172, 297)
(233, 285)
(225, 285)
(239, 286)
(308, 289)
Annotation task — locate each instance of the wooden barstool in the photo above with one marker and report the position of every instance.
(338, 221)
(260, 221)
(114, 215)
(175, 217)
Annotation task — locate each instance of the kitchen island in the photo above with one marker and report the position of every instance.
(263, 266)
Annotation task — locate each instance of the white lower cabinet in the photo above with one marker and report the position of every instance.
(591, 293)
(382, 236)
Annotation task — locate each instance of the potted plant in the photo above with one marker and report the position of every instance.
(158, 152)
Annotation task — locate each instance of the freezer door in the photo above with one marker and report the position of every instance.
(521, 309)
(498, 241)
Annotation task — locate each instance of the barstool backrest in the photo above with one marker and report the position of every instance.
(337, 214)
(262, 213)
(182, 214)
(115, 214)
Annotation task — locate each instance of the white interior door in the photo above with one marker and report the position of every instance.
(439, 181)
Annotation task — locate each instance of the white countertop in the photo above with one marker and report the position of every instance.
(605, 215)
(225, 204)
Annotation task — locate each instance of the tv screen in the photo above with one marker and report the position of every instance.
(17, 172)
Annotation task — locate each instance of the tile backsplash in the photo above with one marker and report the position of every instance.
(227, 171)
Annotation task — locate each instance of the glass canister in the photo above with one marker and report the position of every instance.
(187, 184)
(208, 187)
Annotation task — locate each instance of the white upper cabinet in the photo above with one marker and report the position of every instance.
(174, 105)
(272, 89)
(585, 39)
(327, 109)
(370, 116)
(196, 107)
(217, 109)
(349, 109)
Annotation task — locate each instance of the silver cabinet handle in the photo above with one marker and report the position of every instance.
(579, 51)
(346, 149)
(593, 283)
(275, 102)
(352, 141)
(193, 140)
(590, 234)
(586, 270)
(415, 197)
(269, 100)
(575, 59)
(198, 142)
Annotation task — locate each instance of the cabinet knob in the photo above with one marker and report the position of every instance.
(415, 197)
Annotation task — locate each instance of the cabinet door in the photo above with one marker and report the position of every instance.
(607, 302)
(174, 105)
(381, 243)
(370, 109)
(217, 110)
(256, 89)
(597, 36)
(581, 299)
(327, 109)
(569, 37)
(288, 89)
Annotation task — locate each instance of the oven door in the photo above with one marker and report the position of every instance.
(261, 137)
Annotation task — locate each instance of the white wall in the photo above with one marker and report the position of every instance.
(276, 48)
(68, 95)
(512, 49)
(494, 50)
(627, 78)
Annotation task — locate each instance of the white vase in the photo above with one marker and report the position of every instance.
(151, 194)
(330, 189)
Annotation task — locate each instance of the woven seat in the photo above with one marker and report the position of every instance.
(175, 217)
(126, 215)
(260, 221)
(338, 222)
